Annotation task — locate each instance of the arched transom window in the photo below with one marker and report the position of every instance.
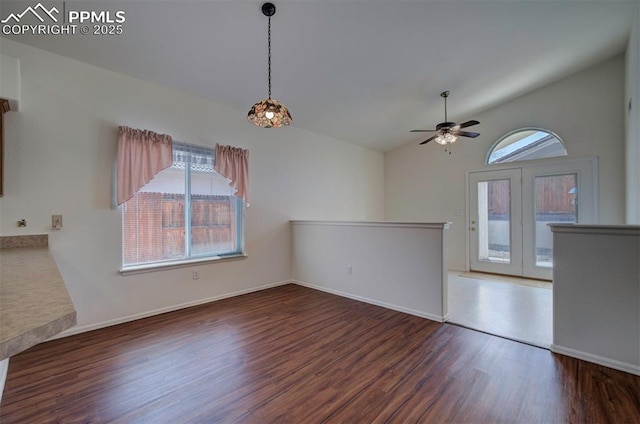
(526, 144)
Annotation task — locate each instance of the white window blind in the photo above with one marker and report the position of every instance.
(186, 211)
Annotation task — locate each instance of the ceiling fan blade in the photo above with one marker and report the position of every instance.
(428, 139)
(423, 130)
(467, 134)
(469, 124)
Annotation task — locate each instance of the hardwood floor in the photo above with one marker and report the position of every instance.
(295, 355)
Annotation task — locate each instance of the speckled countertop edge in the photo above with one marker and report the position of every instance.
(24, 341)
(34, 240)
(35, 301)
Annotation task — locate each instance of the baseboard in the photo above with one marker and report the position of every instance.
(371, 301)
(456, 269)
(596, 359)
(90, 327)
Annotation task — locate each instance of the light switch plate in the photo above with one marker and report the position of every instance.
(56, 222)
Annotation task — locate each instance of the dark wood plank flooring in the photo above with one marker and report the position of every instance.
(296, 355)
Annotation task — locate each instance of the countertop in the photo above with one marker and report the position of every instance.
(34, 301)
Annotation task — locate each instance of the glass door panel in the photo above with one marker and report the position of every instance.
(494, 221)
(555, 203)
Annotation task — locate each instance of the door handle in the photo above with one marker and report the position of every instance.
(473, 228)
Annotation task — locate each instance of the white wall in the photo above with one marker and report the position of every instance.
(632, 146)
(10, 80)
(398, 266)
(423, 183)
(596, 294)
(60, 149)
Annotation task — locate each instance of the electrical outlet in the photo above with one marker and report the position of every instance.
(195, 275)
(349, 270)
(56, 222)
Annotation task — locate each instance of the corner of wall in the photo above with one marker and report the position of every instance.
(632, 124)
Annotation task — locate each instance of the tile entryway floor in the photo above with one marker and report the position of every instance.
(517, 309)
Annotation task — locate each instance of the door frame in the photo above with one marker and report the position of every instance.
(588, 161)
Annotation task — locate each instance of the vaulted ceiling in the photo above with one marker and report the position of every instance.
(365, 72)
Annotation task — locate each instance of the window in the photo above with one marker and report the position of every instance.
(526, 144)
(186, 212)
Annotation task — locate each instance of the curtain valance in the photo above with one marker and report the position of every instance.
(141, 155)
(233, 163)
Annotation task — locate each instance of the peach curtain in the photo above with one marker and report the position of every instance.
(233, 163)
(141, 155)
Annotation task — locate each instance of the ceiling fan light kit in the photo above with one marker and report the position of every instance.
(448, 132)
(445, 139)
(269, 113)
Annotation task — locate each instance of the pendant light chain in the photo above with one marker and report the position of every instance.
(269, 58)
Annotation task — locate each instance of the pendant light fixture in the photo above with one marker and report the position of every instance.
(269, 113)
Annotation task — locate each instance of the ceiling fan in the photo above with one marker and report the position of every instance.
(448, 132)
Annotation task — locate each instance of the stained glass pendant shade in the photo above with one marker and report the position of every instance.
(269, 113)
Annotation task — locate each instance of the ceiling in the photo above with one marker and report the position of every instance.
(365, 72)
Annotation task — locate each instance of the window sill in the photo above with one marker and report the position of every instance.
(142, 269)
